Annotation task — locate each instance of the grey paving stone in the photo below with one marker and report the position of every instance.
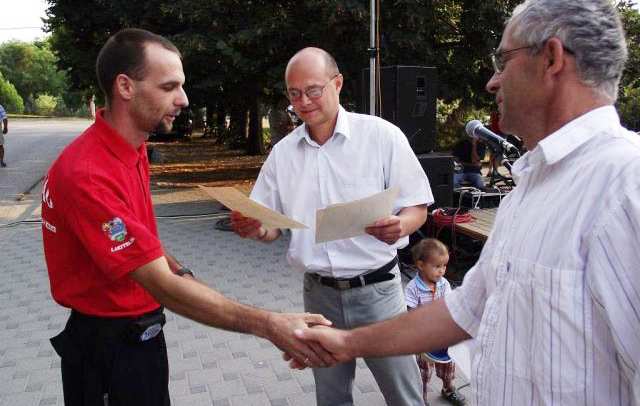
(198, 389)
(226, 389)
(197, 399)
(279, 402)
(211, 376)
(256, 399)
(230, 376)
(222, 402)
(48, 401)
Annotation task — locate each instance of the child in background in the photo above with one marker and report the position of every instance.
(431, 256)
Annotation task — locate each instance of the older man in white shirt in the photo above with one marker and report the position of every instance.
(554, 300)
(337, 157)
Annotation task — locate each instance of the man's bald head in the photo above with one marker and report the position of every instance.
(312, 55)
(313, 87)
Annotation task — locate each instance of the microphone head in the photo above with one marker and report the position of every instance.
(471, 127)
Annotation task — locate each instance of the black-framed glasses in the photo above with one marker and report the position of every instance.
(312, 92)
(500, 59)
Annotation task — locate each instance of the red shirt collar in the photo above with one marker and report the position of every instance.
(116, 143)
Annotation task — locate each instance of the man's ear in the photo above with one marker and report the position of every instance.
(123, 87)
(339, 81)
(554, 53)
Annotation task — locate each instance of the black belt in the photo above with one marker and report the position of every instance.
(379, 275)
(140, 328)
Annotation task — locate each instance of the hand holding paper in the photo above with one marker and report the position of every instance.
(387, 230)
(346, 220)
(236, 200)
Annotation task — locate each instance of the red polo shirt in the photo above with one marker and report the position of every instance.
(98, 224)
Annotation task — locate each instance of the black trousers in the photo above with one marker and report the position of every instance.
(103, 366)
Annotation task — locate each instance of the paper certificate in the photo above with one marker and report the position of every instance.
(238, 201)
(346, 220)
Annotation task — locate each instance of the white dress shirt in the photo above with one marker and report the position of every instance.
(554, 300)
(365, 155)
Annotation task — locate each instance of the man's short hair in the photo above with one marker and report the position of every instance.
(428, 248)
(124, 53)
(591, 29)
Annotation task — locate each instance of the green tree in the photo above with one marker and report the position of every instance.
(9, 97)
(629, 93)
(45, 104)
(235, 51)
(32, 69)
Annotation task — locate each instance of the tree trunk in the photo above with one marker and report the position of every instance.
(238, 127)
(255, 142)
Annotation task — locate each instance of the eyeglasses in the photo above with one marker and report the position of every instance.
(499, 59)
(312, 92)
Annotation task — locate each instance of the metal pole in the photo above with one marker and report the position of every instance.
(372, 61)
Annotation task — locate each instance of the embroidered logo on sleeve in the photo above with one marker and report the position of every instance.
(117, 231)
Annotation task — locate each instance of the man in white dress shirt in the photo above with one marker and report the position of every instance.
(337, 157)
(554, 301)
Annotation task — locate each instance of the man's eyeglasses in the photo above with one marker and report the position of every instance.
(312, 92)
(499, 59)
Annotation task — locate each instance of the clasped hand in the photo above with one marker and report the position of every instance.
(283, 330)
(333, 342)
(387, 230)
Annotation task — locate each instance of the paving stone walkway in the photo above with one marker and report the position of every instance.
(207, 366)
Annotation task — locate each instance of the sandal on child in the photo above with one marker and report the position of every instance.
(454, 397)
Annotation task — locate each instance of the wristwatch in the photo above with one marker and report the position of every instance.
(183, 271)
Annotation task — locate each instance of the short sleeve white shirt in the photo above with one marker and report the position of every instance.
(365, 155)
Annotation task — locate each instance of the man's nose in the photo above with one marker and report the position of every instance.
(493, 84)
(182, 100)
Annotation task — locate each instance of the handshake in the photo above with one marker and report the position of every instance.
(307, 340)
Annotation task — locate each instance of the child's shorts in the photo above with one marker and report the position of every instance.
(446, 372)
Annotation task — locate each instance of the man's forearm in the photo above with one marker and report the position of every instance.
(427, 328)
(412, 218)
(198, 302)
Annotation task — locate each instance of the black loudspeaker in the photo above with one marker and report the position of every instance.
(408, 95)
(439, 170)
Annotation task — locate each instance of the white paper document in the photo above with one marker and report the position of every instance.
(238, 201)
(346, 220)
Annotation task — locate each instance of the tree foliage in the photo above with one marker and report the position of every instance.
(32, 69)
(45, 104)
(629, 94)
(235, 51)
(9, 97)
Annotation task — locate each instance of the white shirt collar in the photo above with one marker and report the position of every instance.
(567, 139)
(342, 127)
(575, 133)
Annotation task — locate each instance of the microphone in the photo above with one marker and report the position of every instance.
(475, 129)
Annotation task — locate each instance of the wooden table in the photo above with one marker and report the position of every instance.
(481, 225)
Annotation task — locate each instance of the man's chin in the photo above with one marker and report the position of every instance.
(163, 128)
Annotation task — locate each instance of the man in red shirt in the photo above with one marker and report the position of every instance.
(105, 260)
